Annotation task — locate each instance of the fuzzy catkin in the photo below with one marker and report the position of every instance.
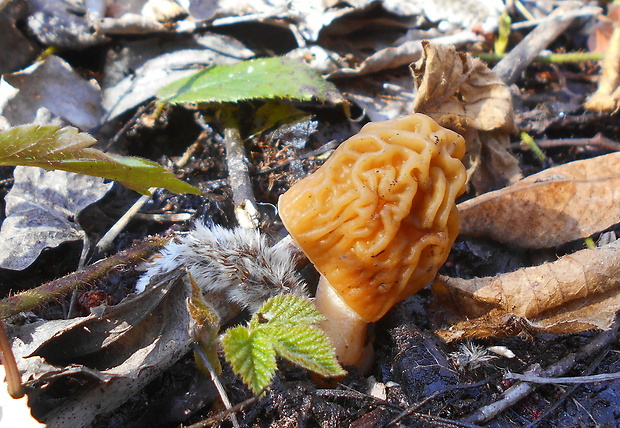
(236, 262)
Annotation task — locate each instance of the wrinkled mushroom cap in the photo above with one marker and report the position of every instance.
(379, 217)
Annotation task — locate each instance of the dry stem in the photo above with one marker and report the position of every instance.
(60, 287)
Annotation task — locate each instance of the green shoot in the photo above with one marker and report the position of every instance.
(529, 142)
(285, 326)
(504, 33)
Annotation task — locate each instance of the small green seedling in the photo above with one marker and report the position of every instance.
(285, 326)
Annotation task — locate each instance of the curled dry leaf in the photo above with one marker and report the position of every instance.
(557, 205)
(115, 351)
(42, 211)
(462, 94)
(580, 291)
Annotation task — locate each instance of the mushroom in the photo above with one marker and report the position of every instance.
(377, 220)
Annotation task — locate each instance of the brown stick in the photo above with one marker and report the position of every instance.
(509, 68)
(598, 141)
(60, 287)
(13, 379)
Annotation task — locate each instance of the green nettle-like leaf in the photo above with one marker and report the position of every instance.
(251, 355)
(308, 347)
(288, 309)
(285, 326)
(264, 78)
(67, 149)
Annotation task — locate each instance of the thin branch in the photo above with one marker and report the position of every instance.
(606, 97)
(443, 422)
(216, 381)
(598, 140)
(521, 389)
(569, 392)
(239, 179)
(61, 287)
(13, 379)
(509, 68)
(533, 378)
(412, 410)
(106, 241)
(222, 415)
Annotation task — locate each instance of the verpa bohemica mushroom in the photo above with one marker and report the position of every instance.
(378, 220)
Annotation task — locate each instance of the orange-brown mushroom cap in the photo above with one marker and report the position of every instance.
(379, 217)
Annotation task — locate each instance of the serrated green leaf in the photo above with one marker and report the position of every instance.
(67, 149)
(287, 309)
(307, 347)
(263, 78)
(251, 356)
(284, 326)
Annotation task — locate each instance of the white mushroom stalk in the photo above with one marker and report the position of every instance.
(346, 329)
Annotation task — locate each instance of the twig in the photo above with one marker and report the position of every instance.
(415, 407)
(353, 394)
(13, 379)
(603, 377)
(165, 217)
(216, 381)
(559, 58)
(509, 68)
(238, 172)
(222, 415)
(521, 389)
(58, 288)
(107, 239)
(131, 122)
(443, 422)
(568, 393)
(193, 148)
(532, 22)
(598, 140)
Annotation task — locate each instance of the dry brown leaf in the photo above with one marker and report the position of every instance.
(457, 88)
(577, 292)
(461, 93)
(115, 351)
(496, 166)
(555, 206)
(607, 95)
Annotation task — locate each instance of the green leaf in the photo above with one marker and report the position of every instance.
(263, 78)
(67, 149)
(286, 309)
(285, 326)
(307, 347)
(251, 356)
